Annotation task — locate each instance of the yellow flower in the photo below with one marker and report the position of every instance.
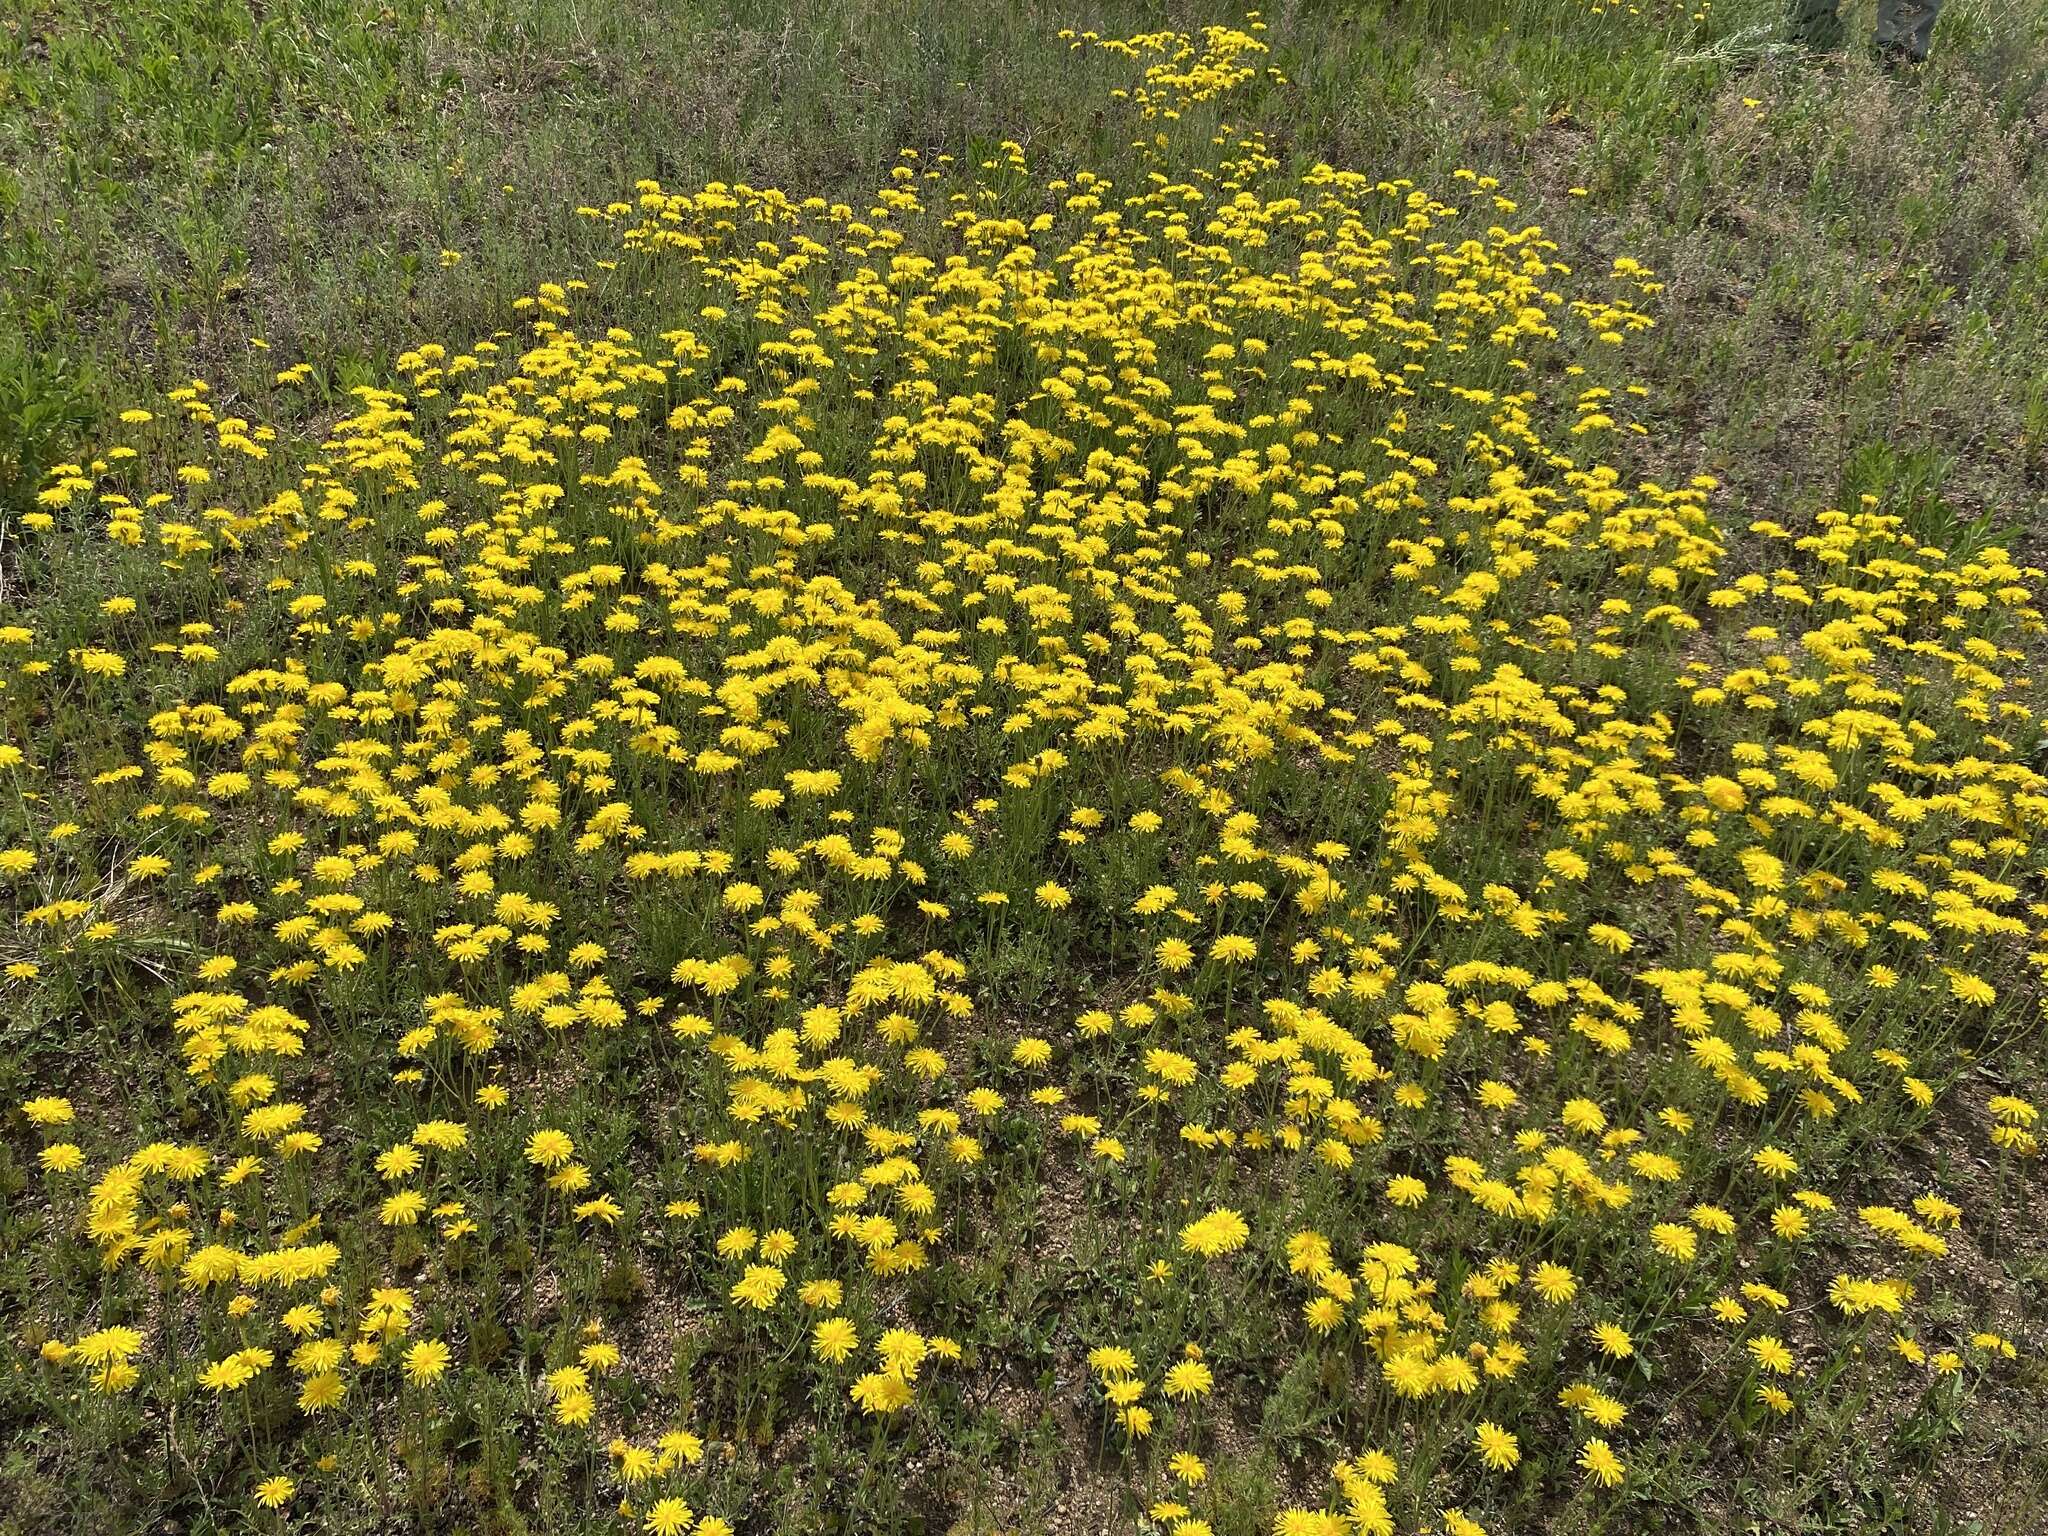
(759, 1287)
(1774, 1162)
(425, 1361)
(1965, 988)
(1789, 1222)
(107, 1346)
(1031, 1052)
(1770, 1354)
(901, 1352)
(834, 1340)
(1221, 1231)
(1598, 1458)
(1675, 1241)
(1406, 1190)
(880, 1392)
(1188, 1379)
(321, 1391)
(47, 1110)
(549, 1149)
(1613, 1340)
(1497, 1448)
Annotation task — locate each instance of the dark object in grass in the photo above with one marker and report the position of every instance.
(1904, 28)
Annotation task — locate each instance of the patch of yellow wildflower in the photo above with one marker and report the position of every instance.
(671, 830)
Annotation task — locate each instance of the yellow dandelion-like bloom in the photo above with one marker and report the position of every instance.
(1221, 1231)
(1598, 1459)
(1497, 1448)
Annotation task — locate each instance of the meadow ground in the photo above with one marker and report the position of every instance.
(1252, 773)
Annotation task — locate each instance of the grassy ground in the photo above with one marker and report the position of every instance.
(1854, 303)
(1856, 266)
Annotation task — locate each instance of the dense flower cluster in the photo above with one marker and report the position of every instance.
(1157, 705)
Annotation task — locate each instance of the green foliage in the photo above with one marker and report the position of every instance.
(1854, 306)
(45, 406)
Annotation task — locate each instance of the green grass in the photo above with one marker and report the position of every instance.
(1854, 303)
(1857, 268)
(1856, 263)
